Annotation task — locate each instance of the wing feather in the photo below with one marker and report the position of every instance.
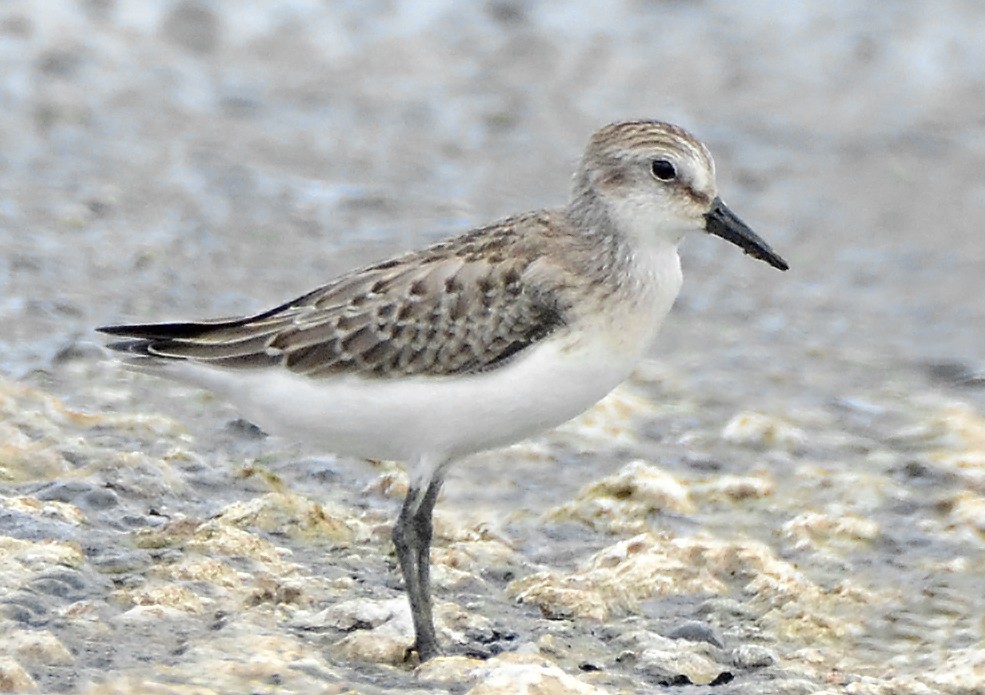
(462, 306)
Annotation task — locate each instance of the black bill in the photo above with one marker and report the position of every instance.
(722, 222)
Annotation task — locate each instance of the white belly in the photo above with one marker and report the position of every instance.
(439, 417)
(448, 417)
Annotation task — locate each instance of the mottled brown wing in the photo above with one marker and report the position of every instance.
(454, 309)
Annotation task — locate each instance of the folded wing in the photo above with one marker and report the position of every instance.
(457, 308)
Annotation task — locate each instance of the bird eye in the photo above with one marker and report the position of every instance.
(663, 170)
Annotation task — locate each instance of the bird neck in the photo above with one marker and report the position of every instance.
(623, 245)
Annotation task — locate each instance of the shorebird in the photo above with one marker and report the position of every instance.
(475, 342)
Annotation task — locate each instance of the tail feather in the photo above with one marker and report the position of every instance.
(139, 348)
(226, 343)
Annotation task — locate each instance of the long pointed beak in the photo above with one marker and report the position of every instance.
(722, 222)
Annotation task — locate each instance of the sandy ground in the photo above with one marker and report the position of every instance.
(789, 497)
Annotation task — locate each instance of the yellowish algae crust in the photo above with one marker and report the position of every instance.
(771, 553)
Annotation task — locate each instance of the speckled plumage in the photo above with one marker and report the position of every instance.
(475, 342)
(462, 306)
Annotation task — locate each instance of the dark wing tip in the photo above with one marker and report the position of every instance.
(114, 330)
(157, 330)
(144, 338)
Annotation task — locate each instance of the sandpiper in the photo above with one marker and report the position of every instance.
(475, 342)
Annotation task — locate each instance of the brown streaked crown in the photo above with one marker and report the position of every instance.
(642, 136)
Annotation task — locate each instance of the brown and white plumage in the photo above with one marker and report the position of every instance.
(459, 307)
(475, 342)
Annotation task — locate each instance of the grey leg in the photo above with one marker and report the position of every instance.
(412, 539)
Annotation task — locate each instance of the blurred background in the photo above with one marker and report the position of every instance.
(169, 159)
